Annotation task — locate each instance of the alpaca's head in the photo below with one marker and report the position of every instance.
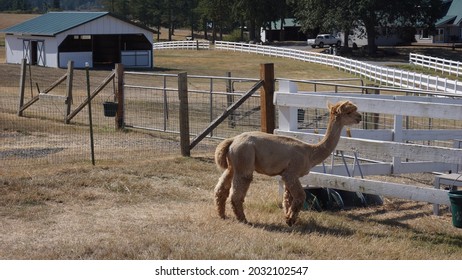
(345, 112)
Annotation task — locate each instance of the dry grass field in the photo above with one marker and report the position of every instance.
(161, 206)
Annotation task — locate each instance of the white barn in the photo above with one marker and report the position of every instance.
(98, 38)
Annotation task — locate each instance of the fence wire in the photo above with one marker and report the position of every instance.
(41, 135)
(155, 104)
(151, 116)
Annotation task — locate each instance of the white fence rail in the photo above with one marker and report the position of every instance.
(438, 64)
(185, 45)
(382, 75)
(388, 146)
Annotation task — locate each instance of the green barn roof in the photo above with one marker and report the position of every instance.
(53, 23)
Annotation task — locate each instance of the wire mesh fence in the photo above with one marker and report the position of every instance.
(154, 106)
(41, 135)
(151, 119)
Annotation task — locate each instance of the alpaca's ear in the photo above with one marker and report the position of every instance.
(331, 107)
(345, 106)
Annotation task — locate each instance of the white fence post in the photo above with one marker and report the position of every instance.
(287, 115)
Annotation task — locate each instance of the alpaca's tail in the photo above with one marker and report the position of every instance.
(221, 151)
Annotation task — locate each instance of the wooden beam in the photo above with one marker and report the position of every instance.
(268, 123)
(184, 114)
(225, 114)
(55, 84)
(95, 92)
(69, 86)
(22, 86)
(119, 76)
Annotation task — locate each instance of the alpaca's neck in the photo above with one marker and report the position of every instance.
(323, 149)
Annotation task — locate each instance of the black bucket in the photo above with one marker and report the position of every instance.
(110, 109)
(455, 197)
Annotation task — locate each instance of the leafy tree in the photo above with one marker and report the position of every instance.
(257, 13)
(56, 5)
(370, 14)
(218, 12)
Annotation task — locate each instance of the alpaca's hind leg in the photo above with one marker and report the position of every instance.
(240, 187)
(222, 192)
(294, 187)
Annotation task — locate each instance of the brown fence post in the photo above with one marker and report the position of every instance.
(266, 98)
(119, 75)
(70, 78)
(22, 85)
(229, 99)
(184, 114)
(371, 120)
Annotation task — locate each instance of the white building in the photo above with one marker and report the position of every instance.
(97, 38)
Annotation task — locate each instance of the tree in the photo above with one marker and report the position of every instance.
(118, 7)
(257, 13)
(370, 14)
(218, 12)
(56, 5)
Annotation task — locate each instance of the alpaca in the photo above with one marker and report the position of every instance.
(275, 155)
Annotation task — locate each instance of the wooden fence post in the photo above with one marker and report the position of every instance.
(120, 118)
(68, 101)
(184, 114)
(266, 98)
(22, 85)
(229, 99)
(371, 120)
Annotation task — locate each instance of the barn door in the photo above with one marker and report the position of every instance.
(41, 53)
(26, 51)
(34, 52)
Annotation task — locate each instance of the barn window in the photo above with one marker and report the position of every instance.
(76, 43)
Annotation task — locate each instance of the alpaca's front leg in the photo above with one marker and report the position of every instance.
(287, 200)
(222, 192)
(295, 189)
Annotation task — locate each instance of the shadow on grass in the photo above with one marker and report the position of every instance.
(307, 227)
(395, 221)
(433, 238)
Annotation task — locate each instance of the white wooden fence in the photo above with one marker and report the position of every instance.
(438, 64)
(378, 143)
(185, 45)
(382, 75)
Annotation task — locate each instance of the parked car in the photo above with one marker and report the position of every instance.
(323, 40)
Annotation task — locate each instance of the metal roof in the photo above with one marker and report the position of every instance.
(53, 23)
(453, 15)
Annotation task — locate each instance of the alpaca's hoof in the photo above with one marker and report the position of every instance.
(244, 221)
(290, 222)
